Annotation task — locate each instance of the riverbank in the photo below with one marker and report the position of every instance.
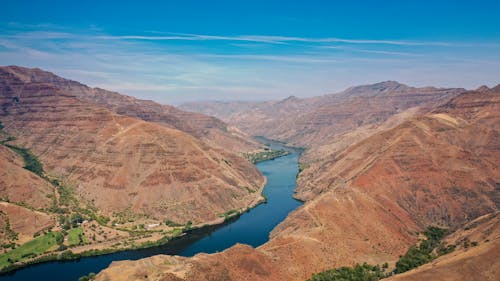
(124, 239)
(250, 225)
(267, 154)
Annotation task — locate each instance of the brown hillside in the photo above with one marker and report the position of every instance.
(209, 129)
(19, 185)
(116, 163)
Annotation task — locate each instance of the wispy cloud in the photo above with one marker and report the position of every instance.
(368, 51)
(277, 58)
(272, 39)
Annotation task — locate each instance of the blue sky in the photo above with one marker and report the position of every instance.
(176, 51)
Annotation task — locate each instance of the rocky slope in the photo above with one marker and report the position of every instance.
(209, 129)
(367, 202)
(118, 163)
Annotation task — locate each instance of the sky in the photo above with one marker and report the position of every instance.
(180, 51)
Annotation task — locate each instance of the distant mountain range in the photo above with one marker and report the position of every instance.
(314, 121)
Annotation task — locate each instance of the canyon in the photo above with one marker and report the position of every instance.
(375, 186)
(381, 163)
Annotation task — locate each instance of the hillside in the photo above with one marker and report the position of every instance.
(69, 166)
(209, 129)
(367, 202)
(142, 166)
(476, 256)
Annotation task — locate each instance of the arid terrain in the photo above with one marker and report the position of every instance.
(91, 171)
(430, 159)
(71, 154)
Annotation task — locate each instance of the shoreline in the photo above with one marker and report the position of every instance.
(69, 255)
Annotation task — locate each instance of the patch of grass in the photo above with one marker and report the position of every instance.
(31, 249)
(76, 237)
(176, 232)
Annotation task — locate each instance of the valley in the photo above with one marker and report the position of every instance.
(249, 140)
(369, 191)
(91, 172)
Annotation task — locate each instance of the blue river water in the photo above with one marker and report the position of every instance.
(252, 228)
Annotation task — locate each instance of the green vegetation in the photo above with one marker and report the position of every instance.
(268, 154)
(66, 195)
(229, 213)
(423, 253)
(302, 167)
(32, 249)
(172, 223)
(188, 226)
(364, 272)
(76, 237)
(428, 249)
(89, 277)
(31, 162)
(9, 234)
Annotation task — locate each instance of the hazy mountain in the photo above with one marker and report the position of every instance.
(314, 121)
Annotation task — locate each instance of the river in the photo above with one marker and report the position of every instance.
(252, 228)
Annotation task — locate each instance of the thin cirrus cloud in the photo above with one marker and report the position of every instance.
(271, 39)
(178, 67)
(246, 38)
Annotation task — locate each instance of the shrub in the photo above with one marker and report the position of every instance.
(172, 223)
(421, 254)
(364, 272)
